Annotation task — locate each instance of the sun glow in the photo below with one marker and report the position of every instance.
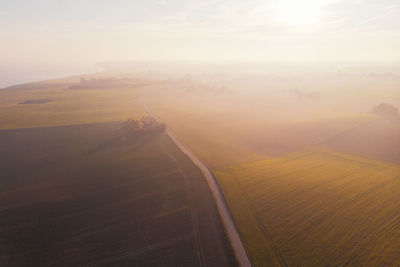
(297, 14)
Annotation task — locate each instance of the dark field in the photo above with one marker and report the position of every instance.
(87, 196)
(35, 101)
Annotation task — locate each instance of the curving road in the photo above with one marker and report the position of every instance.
(223, 209)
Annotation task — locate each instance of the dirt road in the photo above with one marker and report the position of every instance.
(223, 209)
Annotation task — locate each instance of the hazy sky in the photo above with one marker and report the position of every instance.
(72, 31)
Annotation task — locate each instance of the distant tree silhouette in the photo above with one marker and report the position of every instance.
(144, 125)
(386, 110)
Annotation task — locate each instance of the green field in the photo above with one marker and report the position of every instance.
(316, 208)
(67, 106)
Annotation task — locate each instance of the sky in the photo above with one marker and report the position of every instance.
(75, 33)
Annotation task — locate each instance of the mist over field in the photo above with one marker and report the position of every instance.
(290, 147)
(200, 133)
